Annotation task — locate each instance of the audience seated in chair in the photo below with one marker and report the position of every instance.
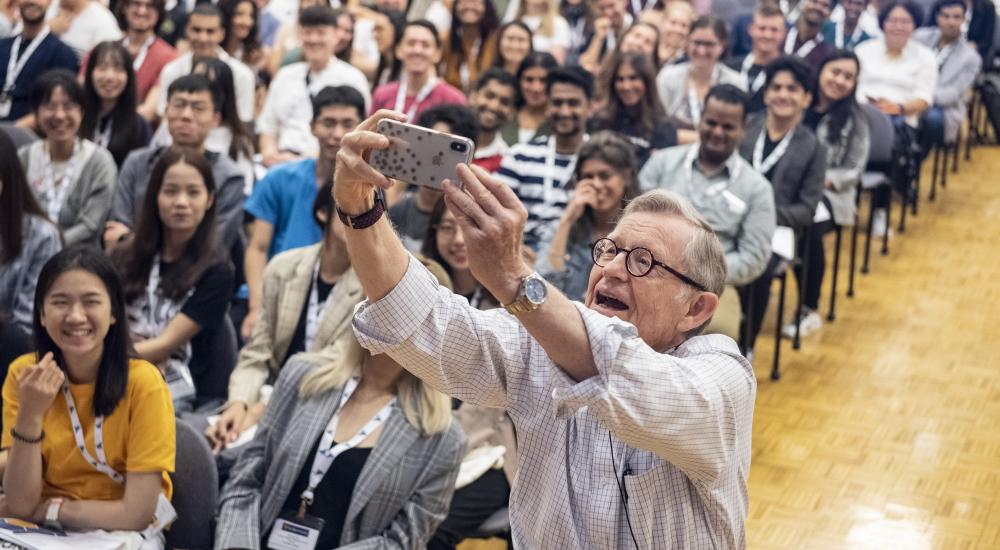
(767, 38)
(492, 101)
(352, 439)
(78, 388)
(788, 154)
(72, 177)
(736, 201)
(177, 278)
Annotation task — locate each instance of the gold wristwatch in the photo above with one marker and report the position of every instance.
(530, 296)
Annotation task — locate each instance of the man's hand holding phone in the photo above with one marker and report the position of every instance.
(355, 180)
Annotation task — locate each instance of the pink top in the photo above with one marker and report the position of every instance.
(384, 97)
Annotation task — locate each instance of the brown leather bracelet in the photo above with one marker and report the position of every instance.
(366, 219)
(29, 441)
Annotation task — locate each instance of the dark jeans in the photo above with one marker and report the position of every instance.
(811, 281)
(470, 507)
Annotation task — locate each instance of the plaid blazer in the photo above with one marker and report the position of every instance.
(401, 496)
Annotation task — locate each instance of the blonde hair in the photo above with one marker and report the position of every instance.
(547, 26)
(426, 409)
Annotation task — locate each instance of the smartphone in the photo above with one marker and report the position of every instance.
(420, 156)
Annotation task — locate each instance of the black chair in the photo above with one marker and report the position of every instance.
(196, 492)
(876, 177)
(19, 136)
(497, 525)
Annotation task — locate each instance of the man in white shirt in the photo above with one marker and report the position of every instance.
(82, 24)
(204, 33)
(284, 123)
(628, 424)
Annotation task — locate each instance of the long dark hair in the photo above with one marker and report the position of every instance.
(429, 248)
(398, 21)
(650, 110)
(250, 44)
(488, 24)
(128, 131)
(112, 373)
(135, 260)
(16, 201)
(544, 60)
(221, 75)
(498, 60)
(612, 149)
(840, 111)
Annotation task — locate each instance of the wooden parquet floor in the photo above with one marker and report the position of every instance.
(884, 430)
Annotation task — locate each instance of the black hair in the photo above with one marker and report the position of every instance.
(941, 4)
(121, 5)
(128, 130)
(50, 81)
(732, 95)
(135, 258)
(398, 21)
(574, 76)
(319, 16)
(460, 119)
(544, 60)
(194, 83)
(423, 24)
(650, 111)
(498, 60)
(323, 207)
(911, 8)
(429, 248)
(487, 26)
(799, 69)
(16, 201)
(840, 111)
(338, 95)
(495, 73)
(219, 74)
(112, 372)
(718, 28)
(250, 44)
(208, 9)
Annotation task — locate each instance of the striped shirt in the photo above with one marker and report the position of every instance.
(538, 175)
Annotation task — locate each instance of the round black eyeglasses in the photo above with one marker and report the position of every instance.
(638, 261)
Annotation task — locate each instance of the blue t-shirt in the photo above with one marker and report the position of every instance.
(284, 199)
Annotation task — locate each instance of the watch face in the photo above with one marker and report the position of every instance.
(535, 290)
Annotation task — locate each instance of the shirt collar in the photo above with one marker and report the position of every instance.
(728, 167)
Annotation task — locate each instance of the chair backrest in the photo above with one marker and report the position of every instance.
(882, 136)
(19, 136)
(225, 347)
(196, 491)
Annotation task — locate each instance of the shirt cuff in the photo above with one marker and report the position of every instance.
(606, 335)
(383, 325)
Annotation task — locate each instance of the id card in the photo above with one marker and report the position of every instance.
(290, 532)
(6, 101)
(162, 518)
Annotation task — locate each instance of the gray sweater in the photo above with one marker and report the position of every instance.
(739, 209)
(18, 278)
(81, 218)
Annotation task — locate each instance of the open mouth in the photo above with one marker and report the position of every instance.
(78, 333)
(610, 302)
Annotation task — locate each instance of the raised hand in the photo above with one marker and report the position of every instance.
(355, 180)
(37, 387)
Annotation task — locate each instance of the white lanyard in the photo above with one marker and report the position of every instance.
(839, 34)
(804, 49)
(791, 14)
(53, 193)
(758, 81)
(16, 64)
(763, 165)
(314, 312)
(639, 6)
(102, 134)
(734, 172)
(101, 464)
(152, 286)
(420, 97)
(694, 102)
(548, 187)
(140, 56)
(328, 451)
(944, 53)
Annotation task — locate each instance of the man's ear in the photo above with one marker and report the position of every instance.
(700, 310)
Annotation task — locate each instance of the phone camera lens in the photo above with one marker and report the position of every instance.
(459, 146)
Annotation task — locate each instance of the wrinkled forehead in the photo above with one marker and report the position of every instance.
(665, 235)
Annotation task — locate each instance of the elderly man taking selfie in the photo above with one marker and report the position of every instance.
(633, 431)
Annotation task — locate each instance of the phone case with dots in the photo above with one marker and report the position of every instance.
(418, 155)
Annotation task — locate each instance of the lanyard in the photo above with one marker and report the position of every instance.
(102, 134)
(763, 165)
(314, 312)
(694, 102)
(420, 97)
(16, 64)
(101, 464)
(805, 49)
(328, 450)
(53, 193)
(714, 189)
(791, 14)
(759, 80)
(548, 187)
(943, 54)
(140, 56)
(839, 34)
(152, 299)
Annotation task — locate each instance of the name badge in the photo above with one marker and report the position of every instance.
(6, 101)
(291, 532)
(162, 518)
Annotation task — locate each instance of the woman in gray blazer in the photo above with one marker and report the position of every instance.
(841, 126)
(72, 178)
(355, 441)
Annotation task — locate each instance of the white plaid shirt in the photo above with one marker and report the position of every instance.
(681, 421)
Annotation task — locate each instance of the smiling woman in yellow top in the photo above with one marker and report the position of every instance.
(88, 431)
